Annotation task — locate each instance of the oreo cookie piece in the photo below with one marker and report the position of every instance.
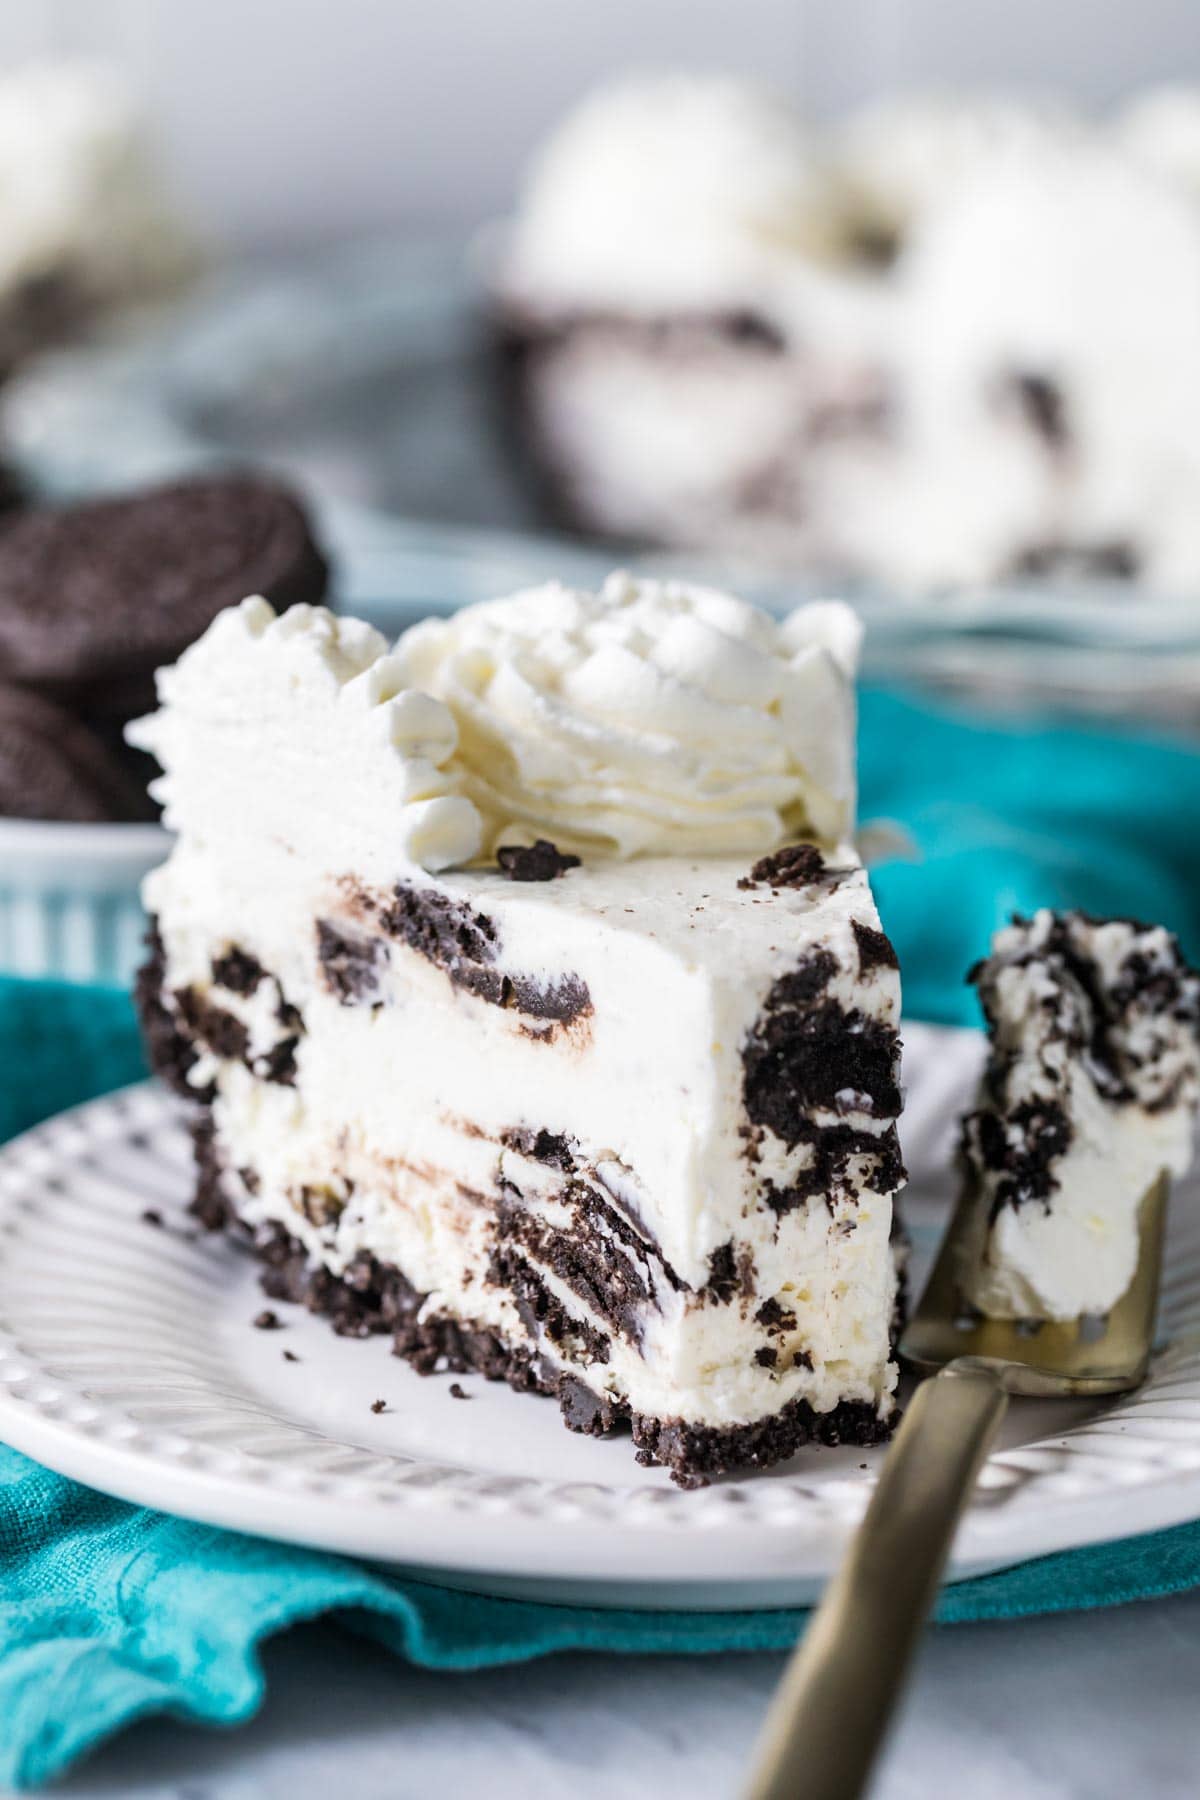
(13, 492)
(53, 766)
(94, 598)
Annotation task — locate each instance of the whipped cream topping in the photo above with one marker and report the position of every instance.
(667, 191)
(1160, 130)
(1120, 354)
(896, 158)
(314, 704)
(82, 198)
(652, 718)
(696, 193)
(980, 357)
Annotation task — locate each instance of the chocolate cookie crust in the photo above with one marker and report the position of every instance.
(94, 598)
(373, 1297)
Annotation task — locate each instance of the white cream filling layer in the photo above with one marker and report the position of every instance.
(1076, 1253)
(677, 963)
(1095, 1043)
(694, 1358)
(409, 1098)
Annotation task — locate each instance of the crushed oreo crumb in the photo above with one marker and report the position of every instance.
(237, 971)
(803, 1057)
(874, 948)
(152, 1216)
(828, 1175)
(466, 944)
(541, 861)
(1023, 1148)
(542, 1146)
(378, 1406)
(220, 1031)
(1045, 406)
(278, 1064)
(290, 1356)
(803, 983)
(795, 866)
(775, 1317)
(170, 1050)
(458, 1392)
(352, 963)
(730, 1272)
(267, 1320)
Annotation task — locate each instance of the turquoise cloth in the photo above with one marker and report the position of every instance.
(61, 1045)
(109, 1612)
(1006, 819)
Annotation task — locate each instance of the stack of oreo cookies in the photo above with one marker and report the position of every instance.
(94, 598)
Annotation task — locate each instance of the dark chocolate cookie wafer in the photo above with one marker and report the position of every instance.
(94, 598)
(53, 767)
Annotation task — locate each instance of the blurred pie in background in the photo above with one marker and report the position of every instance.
(86, 222)
(948, 341)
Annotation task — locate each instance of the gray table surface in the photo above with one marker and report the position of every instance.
(1081, 1707)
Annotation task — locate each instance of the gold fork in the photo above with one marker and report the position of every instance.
(838, 1693)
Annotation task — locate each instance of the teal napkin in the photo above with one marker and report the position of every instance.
(1004, 819)
(60, 1045)
(110, 1612)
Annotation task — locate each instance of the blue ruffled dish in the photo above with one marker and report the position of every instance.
(69, 903)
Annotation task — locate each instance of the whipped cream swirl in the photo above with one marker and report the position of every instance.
(653, 718)
(667, 191)
(304, 727)
(83, 195)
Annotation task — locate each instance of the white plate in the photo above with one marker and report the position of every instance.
(128, 1360)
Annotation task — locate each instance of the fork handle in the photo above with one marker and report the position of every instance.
(837, 1695)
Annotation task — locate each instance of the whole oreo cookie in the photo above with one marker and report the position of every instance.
(53, 766)
(94, 598)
